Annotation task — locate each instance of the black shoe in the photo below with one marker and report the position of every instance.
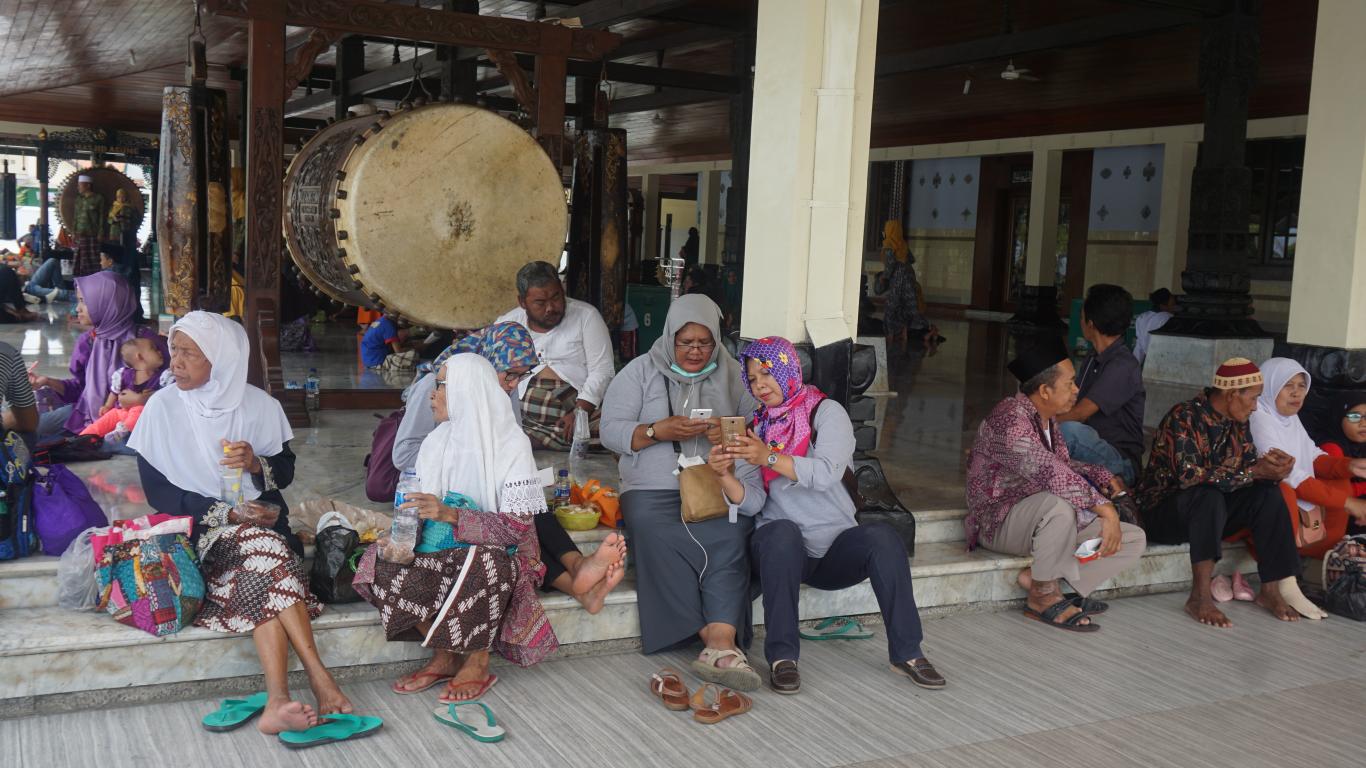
(784, 677)
(922, 673)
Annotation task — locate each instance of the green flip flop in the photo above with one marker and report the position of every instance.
(837, 628)
(485, 729)
(234, 713)
(332, 729)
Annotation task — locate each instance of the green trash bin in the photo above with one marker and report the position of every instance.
(651, 305)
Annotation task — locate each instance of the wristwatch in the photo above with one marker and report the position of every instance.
(650, 432)
(772, 460)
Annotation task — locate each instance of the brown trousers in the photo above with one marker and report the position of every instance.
(1045, 527)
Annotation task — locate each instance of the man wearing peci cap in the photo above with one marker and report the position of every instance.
(88, 226)
(1204, 483)
(1026, 496)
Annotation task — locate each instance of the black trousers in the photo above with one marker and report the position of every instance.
(1205, 516)
(555, 543)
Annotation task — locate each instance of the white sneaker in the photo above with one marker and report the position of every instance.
(31, 299)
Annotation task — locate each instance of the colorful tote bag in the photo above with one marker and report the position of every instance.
(151, 584)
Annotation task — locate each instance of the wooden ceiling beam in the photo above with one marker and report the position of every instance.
(1066, 35)
(673, 97)
(425, 25)
(680, 39)
(602, 13)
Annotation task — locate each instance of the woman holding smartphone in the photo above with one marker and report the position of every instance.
(692, 578)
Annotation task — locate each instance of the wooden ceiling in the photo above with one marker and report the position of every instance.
(103, 63)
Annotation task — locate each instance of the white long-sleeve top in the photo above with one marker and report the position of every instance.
(578, 350)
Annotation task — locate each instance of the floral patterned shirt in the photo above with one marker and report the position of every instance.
(1011, 460)
(1196, 445)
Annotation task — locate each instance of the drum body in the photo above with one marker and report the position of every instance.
(427, 213)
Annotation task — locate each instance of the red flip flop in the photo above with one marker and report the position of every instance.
(484, 686)
(433, 680)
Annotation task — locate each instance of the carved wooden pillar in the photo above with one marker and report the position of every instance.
(265, 172)
(551, 71)
(598, 229)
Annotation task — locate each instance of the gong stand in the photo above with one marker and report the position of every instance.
(552, 46)
(92, 144)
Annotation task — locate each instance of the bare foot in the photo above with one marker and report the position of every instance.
(593, 568)
(1025, 579)
(467, 682)
(443, 664)
(597, 596)
(284, 715)
(1270, 599)
(1202, 609)
(331, 700)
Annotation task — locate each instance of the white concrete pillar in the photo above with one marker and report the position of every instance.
(649, 233)
(709, 216)
(1045, 192)
(1173, 231)
(808, 171)
(1328, 293)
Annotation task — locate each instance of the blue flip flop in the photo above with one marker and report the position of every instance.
(234, 713)
(332, 729)
(837, 628)
(485, 729)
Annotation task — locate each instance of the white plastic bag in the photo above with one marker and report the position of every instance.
(77, 589)
(578, 450)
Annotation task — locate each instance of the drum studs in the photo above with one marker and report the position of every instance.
(353, 269)
(341, 234)
(341, 176)
(341, 194)
(334, 213)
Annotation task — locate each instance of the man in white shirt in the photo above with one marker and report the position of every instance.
(1164, 306)
(576, 356)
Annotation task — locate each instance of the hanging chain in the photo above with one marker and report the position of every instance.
(417, 70)
(198, 32)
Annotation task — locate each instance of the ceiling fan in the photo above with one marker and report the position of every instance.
(1011, 73)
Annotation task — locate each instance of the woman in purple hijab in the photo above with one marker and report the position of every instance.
(106, 303)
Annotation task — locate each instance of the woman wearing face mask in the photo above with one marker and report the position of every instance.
(1317, 479)
(692, 578)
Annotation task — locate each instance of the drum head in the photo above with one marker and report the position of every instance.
(441, 207)
(107, 182)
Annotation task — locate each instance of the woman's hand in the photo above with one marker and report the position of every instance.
(430, 507)
(255, 513)
(714, 430)
(240, 456)
(679, 428)
(1357, 509)
(1359, 468)
(720, 462)
(750, 448)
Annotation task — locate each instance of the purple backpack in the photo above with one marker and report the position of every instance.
(62, 508)
(381, 476)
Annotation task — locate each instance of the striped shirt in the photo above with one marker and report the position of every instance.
(15, 388)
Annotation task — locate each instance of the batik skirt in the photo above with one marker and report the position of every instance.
(250, 576)
(461, 593)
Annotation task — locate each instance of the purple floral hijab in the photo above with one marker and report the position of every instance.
(111, 304)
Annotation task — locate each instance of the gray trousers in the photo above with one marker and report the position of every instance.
(1045, 526)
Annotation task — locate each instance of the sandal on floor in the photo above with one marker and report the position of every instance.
(667, 685)
(724, 703)
(1221, 589)
(484, 686)
(1088, 605)
(485, 729)
(1242, 590)
(234, 713)
(433, 679)
(837, 628)
(332, 729)
(1051, 613)
(740, 676)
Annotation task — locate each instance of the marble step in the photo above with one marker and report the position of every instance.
(47, 650)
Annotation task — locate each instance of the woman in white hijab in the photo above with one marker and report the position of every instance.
(188, 434)
(1317, 479)
(472, 586)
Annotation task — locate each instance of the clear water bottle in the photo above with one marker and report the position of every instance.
(561, 490)
(578, 449)
(230, 483)
(312, 386)
(407, 483)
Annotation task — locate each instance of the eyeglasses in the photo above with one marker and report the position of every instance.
(1354, 417)
(513, 376)
(440, 383)
(696, 346)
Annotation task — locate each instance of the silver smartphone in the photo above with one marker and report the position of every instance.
(700, 414)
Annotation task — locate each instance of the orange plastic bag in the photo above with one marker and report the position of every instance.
(594, 493)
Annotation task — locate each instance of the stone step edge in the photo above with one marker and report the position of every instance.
(349, 615)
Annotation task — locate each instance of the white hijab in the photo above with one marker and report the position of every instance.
(480, 451)
(1272, 430)
(181, 431)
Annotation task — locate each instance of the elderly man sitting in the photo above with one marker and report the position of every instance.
(1204, 483)
(1027, 496)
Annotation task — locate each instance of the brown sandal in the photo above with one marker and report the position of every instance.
(725, 703)
(668, 685)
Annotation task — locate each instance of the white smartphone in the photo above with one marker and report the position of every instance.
(699, 414)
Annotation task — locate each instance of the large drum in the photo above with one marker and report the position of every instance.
(107, 182)
(427, 213)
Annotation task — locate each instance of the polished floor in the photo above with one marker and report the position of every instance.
(1152, 689)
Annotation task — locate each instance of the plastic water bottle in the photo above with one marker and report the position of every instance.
(407, 483)
(578, 449)
(402, 537)
(561, 490)
(230, 483)
(312, 386)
